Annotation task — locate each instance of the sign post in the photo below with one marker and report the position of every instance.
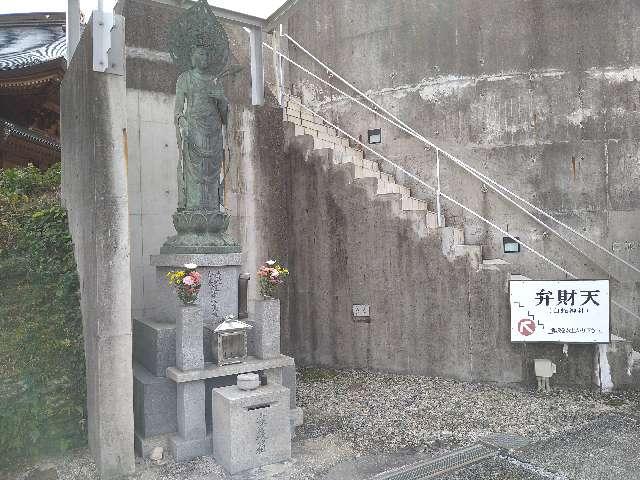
(559, 311)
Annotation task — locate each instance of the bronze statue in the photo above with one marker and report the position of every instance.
(201, 111)
(199, 47)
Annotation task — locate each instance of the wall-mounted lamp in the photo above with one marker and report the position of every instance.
(375, 136)
(510, 245)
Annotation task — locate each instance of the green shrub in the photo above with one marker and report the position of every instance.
(42, 373)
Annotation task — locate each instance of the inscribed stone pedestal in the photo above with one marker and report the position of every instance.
(218, 295)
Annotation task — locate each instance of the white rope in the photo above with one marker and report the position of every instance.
(452, 200)
(492, 183)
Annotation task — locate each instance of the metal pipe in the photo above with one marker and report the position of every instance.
(73, 27)
(243, 288)
(438, 206)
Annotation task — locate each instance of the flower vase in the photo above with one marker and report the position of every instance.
(265, 335)
(189, 342)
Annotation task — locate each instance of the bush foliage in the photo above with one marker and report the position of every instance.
(42, 373)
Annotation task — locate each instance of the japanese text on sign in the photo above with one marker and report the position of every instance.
(563, 311)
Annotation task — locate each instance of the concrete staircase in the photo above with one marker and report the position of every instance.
(385, 185)
(363, 171)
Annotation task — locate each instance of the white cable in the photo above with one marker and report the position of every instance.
(444, 195)
(493, 184)
(452, 200)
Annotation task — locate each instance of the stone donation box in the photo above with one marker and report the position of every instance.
(252, 427)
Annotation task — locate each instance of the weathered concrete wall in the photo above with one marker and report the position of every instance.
(540, 95)
(94, 130)
(348, 248)
(256, 182)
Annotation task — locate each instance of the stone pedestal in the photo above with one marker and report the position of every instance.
(264, 337)
(251, 428)
(219, 292)
(189, 331)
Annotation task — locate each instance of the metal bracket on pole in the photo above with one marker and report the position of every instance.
(108, 42)
(257, 67)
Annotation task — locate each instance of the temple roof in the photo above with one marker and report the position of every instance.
(31, 43)
(9, 129)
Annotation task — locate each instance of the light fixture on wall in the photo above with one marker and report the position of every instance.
(510, 245)
(375, 136)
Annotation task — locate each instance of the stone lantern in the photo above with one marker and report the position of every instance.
(230, 341)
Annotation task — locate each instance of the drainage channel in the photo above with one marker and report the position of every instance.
(434, 467)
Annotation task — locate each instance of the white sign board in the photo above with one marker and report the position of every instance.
(563, 311)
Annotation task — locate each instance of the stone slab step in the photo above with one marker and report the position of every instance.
(389, 187)
(411, 203)
(496, 264)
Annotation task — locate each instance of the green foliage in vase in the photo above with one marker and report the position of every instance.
(42, 370)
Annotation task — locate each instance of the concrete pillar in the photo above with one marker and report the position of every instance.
(94, 188)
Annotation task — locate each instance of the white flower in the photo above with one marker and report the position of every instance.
(190, 266)
(271, 262)
(274, 274)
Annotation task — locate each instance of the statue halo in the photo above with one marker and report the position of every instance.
(198, 27)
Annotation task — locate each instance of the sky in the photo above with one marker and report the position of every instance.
(258, 8)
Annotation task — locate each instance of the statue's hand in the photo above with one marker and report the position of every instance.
(181, 122)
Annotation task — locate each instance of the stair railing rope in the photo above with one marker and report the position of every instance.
(451, 199)
(437, 149)
(494, 185)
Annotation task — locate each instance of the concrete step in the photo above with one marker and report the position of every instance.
(451, 236)
(391, 187)
(474, 252)
(497, 264)
(361, 172)
(411, 203)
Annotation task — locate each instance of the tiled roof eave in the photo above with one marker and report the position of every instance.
(9, 129)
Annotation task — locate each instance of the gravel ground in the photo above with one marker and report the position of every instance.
(351, 415)
(386, 413)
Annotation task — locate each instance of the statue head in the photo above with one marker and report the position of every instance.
(201, 58)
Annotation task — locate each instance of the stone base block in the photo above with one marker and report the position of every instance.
(296, 417)
(264, 337)
(145, 445)
(252, 428)
(154, 403)
(189, 343)
(154, 345)
(289, 380)
(185, 450)
(191, 410)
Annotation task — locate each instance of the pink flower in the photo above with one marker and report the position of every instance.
(188, 280)
(197, 278)
(274, 273)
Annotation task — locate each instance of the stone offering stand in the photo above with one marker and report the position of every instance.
(176, 381)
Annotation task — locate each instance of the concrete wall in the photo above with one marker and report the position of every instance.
(429, 315)
(94, 190)
(540, 95)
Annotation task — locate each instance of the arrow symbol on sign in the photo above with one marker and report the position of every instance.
(526, 326)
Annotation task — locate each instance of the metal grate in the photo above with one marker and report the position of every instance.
(506, 441)
(440, 465)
